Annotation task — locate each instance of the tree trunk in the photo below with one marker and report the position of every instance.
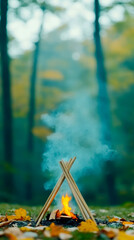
(103, 105)
(6, 101)
(33, 90)
(32, 101)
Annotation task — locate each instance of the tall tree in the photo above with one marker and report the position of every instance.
(32, 87)
(50, 8)
(6, 97)
(103, 103)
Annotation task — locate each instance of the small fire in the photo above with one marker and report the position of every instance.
(66, 209)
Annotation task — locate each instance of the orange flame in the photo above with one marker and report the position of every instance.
(66, 209)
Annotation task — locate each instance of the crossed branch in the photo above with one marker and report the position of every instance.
(75, 191)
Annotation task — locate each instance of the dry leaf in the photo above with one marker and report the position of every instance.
(3, 218)
(114, 219)
(125, 223)
(103, 210)
(34, 229)
(55, 230)
(123, 236)
(11, 236)
(110, 232)
(1, 233)
(20, 214)
(72, 229)
(65, 236)
(13, 230)
(2, 224)
(88, 226)
(131, 214)
(30, 235)
(130, 232)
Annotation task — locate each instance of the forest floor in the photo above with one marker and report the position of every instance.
(115, 223)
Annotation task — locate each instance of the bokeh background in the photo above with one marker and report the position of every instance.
(66, 89)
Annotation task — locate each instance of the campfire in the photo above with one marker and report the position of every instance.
(66, 209)
(66, 213)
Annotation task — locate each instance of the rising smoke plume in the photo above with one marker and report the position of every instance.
(76, 132)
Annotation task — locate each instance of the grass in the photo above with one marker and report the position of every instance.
(33, 211)
(101, 213)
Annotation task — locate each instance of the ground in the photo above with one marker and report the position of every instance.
(125, 211)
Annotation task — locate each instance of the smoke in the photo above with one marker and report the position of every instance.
(76, 132)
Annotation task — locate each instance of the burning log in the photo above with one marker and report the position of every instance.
(77, 195)
(54, 214)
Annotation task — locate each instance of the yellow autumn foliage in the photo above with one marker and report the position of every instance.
(41, 132)
(88, 226)
(123, 236)
(51, 75)
(20, 214)
(114, 219)
(56, 230)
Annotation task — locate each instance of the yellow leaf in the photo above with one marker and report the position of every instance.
(88, 226)
(123, 236)
(56, 230)
(114, 219)
(20, 214)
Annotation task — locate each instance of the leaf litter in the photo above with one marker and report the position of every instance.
(20, 226)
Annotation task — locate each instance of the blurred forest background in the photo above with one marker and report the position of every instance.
(48, 50)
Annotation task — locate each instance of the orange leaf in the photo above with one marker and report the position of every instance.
(114, 219)
(56, 230)
(11, 236)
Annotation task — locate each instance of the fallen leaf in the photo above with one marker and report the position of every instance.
(13, 230)
(3, 218)
(130, 232)
(88, 226)
(2, 224)
(55, 230)
(34, 229)
(47, 233)
(1, 233)
(20, 214)
(65, 236)
(110, 232)
(124, 236)
(103, 210)
(11, 236)
(131, 214)
(72, 229)
(127, 223)
(114, 219)
(30, 235)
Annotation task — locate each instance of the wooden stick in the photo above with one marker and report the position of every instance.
(77, 191)
(85, 216)
(80, 196)
(53, 193)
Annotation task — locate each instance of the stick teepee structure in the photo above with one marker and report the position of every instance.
(75, 191)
